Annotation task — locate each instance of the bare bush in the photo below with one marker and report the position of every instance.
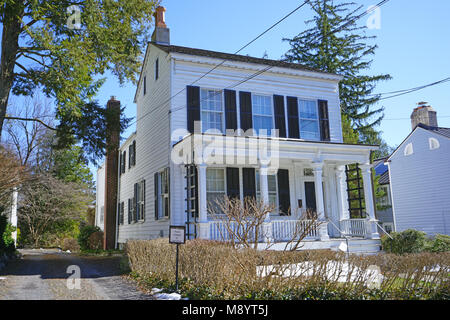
(242, 220)
(216, 270)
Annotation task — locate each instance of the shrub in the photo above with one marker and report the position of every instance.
(216, 270)
(6, 240)
(440, 243)
(95, 241)
(408, 241)
(85, 233)
(70, 244)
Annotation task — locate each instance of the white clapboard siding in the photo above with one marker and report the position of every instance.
(420, 184)
(268, 83)
(152, 147)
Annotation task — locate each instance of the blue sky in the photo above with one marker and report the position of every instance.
(413, 48)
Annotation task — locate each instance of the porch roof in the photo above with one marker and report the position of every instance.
(282, 148)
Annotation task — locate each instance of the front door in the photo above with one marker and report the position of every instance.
(310, 194)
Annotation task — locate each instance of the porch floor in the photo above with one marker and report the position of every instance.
(355, 245)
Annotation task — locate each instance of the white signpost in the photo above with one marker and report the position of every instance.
(177, 235)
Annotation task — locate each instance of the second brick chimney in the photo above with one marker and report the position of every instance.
(161, 35)
(424, 114)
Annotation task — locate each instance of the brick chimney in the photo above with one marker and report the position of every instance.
(111, 172)
(424, 114)
(161, 35)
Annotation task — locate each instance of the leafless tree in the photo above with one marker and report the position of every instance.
(46, 201)
(308, 224)
(25, 136)
(11, 174)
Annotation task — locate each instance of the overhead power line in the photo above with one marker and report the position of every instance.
(221, 63)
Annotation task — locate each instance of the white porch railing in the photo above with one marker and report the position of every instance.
(282, 230)
(286, 230)
(356, 227)
(220, 230)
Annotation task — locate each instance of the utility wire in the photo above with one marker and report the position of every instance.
(221, 63)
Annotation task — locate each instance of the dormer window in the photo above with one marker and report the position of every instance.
(433, 143)
(408, 149)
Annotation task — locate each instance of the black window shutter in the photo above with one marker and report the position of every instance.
(245, 104)
(145, 85)
(280, 120)
(129, 210)
(193, 106)
(156, 192)
(233, 183)
(134, 153)
(168, 187)
(248, 181)
(130, 152)
(124, 160)
(284, 198)
(292, 110)
(230, 109)
(136, 202)
(120, 163)
(324, 121)
(143, 212)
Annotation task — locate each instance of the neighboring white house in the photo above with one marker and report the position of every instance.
(419, 172)
(183, 156)
(384, 215)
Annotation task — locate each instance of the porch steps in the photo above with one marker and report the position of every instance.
(361, 246)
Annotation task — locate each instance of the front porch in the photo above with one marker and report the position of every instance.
(300, 175)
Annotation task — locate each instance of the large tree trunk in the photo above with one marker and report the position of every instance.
(10, 46)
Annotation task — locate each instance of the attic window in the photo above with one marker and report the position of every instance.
(434, 143)
(408, 149)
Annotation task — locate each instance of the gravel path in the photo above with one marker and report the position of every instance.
(44, 275)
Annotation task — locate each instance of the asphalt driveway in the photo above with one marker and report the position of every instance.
(55, 275)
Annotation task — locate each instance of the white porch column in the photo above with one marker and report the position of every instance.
(369, 200)
(264, 188)
(320, 208)
(13, 219)
(202, 202)
(342, 193)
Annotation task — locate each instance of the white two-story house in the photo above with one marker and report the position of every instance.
(211, 124)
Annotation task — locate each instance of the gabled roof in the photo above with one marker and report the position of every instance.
(236, 57)
(439, 130)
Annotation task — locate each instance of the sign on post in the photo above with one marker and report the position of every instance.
(177, 235)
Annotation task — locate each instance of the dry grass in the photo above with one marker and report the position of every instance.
(216, 270)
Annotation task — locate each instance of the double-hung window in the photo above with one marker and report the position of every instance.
(309, 120)
(215, 187)
(262, 111)
(164, 205)
(140, 200)
(211, 110)
(272, 187)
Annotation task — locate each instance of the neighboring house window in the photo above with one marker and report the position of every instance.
(162, 188)
(145, 85)
(434, 143)
(102, 214)
(388, 226)
(157, 69)
(272, 186)
(215, 187)
(262, 111)
(211, 109)
(384, 200)
(408, 149)
(309, 120)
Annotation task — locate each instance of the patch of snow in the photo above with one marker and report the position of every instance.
(2, 278)
(68, 251)
(168, 296)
